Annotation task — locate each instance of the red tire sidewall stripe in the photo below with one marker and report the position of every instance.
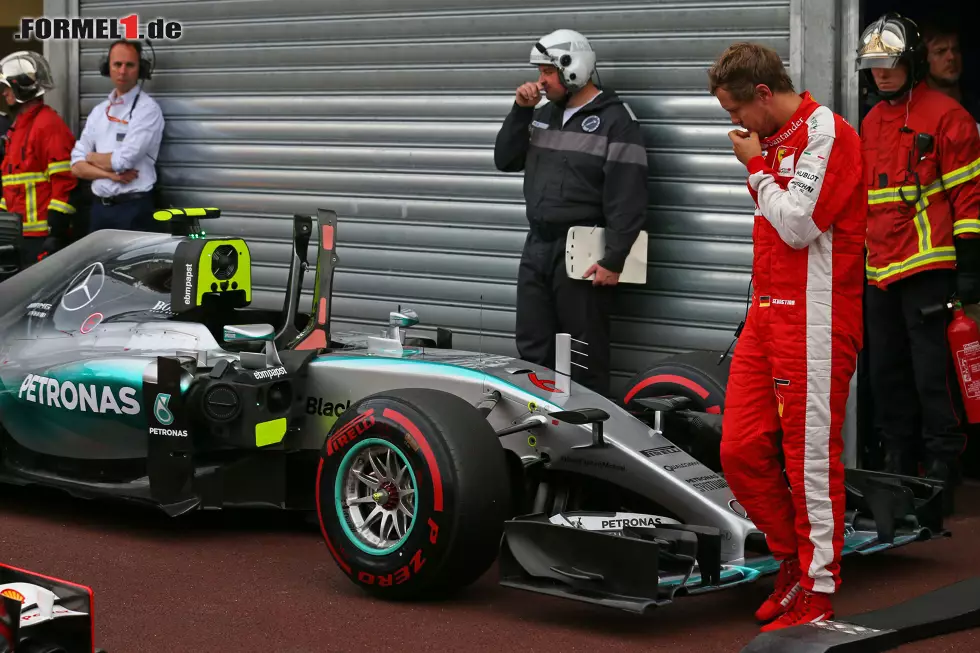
(430, 458)
(323, 529)
(667, 378)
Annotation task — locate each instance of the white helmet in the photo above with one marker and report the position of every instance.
(570, 53)
(27, 74)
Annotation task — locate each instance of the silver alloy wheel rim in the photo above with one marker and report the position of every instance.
(379, 497)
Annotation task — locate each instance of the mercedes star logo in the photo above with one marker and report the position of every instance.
(84, 288)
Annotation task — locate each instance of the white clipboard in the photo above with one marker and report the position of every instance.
(586, 245)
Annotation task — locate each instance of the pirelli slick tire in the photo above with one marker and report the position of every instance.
(412, 493)
(695, 375)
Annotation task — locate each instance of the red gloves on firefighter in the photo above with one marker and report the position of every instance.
(968, 270)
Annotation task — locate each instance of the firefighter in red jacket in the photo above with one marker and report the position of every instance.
(922, 170)
(36, 168)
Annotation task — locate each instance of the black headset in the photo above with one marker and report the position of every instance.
(146, 66)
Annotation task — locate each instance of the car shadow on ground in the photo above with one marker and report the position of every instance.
(142, 520)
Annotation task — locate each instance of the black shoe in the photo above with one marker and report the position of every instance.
(896, 462)
(946, 472)
(942, 470)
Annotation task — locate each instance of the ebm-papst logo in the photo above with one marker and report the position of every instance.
(43, 28)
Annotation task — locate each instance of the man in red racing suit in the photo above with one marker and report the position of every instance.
(790, 376)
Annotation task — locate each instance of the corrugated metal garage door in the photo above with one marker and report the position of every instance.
(386, 111)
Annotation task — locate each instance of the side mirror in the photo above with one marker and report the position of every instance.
(403, 319)
(239, 332)
(399, 320)
(252, 332)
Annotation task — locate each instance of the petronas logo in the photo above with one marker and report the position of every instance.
(161, 411)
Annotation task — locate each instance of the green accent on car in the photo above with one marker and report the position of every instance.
(232, 333)
(730, 575)
(123, 371)
(232, 336)
(126, 371)
(436, 367)
(161, 410)
(338, 494)
(271, 432)
(116, 374)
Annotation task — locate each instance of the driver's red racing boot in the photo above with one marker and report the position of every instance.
(787, 587)
(808, 608)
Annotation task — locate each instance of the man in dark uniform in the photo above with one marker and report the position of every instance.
(585, 164)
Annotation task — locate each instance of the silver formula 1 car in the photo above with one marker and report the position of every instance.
(132, 365)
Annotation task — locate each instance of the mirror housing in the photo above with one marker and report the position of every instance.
(403, 319)
(398, 320)
(250, 332)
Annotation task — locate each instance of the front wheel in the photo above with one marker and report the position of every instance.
(412, 493)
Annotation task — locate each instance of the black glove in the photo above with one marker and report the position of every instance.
(59, 233)
(968, 287)
(968, 270)
(49, 247)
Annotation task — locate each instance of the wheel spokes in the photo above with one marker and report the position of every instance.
(360, 500)
(398, 518)
(379, 499)
(385, 529)
(367, 480)
(374, 466)
(404, 510)
(375, 514)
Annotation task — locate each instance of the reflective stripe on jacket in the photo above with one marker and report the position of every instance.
(918, 202)
(36, 168)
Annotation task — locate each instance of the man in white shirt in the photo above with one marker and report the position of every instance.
(119, 146)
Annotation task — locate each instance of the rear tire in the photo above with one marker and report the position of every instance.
(444, 482)
(697, 376)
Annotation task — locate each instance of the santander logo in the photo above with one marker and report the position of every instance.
(785, 135)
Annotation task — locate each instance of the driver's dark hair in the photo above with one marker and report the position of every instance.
(935, 29)
(743, 66)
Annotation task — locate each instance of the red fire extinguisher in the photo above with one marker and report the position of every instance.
(964, 342)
